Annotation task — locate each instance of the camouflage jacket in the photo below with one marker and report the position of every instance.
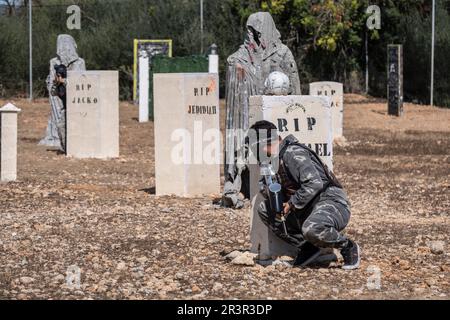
(305, 177)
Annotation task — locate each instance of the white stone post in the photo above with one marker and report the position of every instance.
(143, 87)
(213, 60)
(8, 142)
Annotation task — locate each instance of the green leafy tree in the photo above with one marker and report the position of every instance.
(327, 38)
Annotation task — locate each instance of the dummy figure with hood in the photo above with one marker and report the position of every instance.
(248, 68)
(66, 50)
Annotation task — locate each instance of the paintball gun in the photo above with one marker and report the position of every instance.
(272, 189)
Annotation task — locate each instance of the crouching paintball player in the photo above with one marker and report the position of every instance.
(313, 208)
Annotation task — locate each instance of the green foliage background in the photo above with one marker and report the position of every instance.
(327, 38)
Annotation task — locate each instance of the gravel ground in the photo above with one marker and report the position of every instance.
(101, 220)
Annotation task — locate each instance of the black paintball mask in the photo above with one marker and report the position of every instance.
(61, 71)
(260, 135)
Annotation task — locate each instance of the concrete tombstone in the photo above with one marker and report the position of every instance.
(308, 118)
(93, 114)
(187, 134)
(335, 91)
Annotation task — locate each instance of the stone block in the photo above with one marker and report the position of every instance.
(187, 134)
(335, 91)
(93, 114)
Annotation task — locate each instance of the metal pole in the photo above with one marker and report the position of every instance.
(433, 28)
(30, 12)
(367, 63)
(201, 25)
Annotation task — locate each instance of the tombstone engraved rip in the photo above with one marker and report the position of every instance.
(308, 118)
(8, 142)
(93, 114)
(187, 134)
(335, 91)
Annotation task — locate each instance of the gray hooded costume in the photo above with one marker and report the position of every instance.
(67, 55)
(248, 68)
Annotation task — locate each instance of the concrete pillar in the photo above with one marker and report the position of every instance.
(213, 60)
(8, 142)
(143, 87)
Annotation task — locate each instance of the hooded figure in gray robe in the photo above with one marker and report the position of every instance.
(66, 50)
(248, 68)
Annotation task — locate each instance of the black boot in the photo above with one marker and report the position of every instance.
(351, 255)
(308, 253)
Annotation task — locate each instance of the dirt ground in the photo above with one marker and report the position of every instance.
(101, 219)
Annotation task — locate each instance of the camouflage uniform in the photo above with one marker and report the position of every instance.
(320, 208)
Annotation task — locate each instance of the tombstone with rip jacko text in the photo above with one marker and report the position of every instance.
(93, 114)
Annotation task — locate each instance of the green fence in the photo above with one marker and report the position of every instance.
(163, 64)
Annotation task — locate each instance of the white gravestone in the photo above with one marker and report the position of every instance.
(187, 134)
(335, 91)
(8, 142)
(93, 114)
(308, 118)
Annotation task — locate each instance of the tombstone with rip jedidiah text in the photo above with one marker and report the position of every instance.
(187, 134)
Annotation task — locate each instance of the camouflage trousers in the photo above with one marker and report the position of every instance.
(61, 126)
(321, 227)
